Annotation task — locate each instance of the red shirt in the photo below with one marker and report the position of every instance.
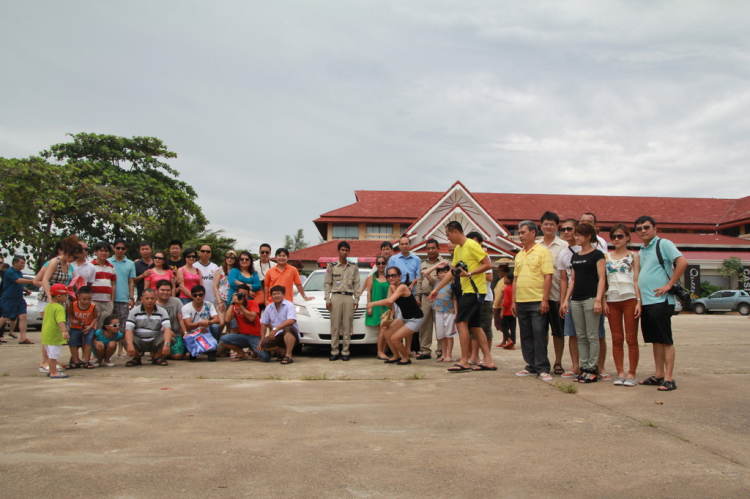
(247, 327)
(507, 299)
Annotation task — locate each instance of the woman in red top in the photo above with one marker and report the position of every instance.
(188, 276)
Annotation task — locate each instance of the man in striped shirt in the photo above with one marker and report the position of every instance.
(103, 286)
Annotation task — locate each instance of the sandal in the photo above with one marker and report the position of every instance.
(25, 342)
(73, 365)
(13, 335)
(590, 378)
(668, 386)
(652, 381)
(133, 362)
(160, 361)
(287, 360)
(558, 369)
(240, 358)
(88, 365)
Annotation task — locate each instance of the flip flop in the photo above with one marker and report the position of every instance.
(458, 368)
(26, 342)
(482, 367)
(59, 376)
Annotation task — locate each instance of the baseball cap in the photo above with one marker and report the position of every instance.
(58, 289)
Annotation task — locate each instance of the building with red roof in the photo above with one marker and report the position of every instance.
(714, 229)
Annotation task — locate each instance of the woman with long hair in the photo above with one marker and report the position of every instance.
(221, 282)
(188, 276)
(408, 317)
(585, 292)
(160, 271)
(244, 274)
(623, 304)
(376, 286)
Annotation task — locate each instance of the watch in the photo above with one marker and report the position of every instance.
(167, 344)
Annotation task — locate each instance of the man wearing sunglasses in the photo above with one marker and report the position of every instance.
(341, 284)
(550, 223)
(208, 269)
(201, 315)
(655, 282)
(264, 265)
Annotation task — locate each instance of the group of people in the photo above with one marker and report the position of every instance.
(149, 306)
(564, 285)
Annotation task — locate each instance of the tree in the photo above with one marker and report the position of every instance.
(214, 238)
(731, 267)
(296, 242)
(101, 187)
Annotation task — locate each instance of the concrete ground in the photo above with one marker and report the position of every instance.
(364, 429)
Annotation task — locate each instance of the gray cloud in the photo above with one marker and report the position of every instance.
(280, 110)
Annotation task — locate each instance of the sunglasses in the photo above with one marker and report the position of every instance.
(244, 259)
(191, 256)
(641, 228)
(113, 325)
(230, 256)
(265, 252)
(379, 263)
(205, 251)
(158, 258)
(567, 229)
(120, 248)
(618, 236)
(392, 275)
(198, 295)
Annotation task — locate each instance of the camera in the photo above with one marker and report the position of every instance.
(459, 266)
(241, 296)
(680, 292)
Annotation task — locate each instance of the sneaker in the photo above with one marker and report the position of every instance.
(546, 377)
(619, 381)
(630, 382)
(524, 372)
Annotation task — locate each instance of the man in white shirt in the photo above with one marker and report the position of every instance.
(208, 269)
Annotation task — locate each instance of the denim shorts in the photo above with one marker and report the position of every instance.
(78, 339)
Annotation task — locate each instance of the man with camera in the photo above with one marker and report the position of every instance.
(247, 314)
(662, 265)
(470, 262)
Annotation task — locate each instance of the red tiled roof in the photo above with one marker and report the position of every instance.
(509, 208)
(329, 248)
(692, 256)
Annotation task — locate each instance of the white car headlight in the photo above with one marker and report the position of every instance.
(301, 310)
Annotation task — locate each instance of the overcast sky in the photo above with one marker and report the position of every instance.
(289, 107)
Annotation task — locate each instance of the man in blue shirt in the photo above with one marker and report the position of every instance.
(12, 302)
(655, 281)
(408, 264)
(124, 285)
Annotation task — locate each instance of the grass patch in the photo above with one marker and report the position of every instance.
(416, 376)
(649, 424)
(565, 387)
(314, 377)
(201, 377)
(274, 377)
(5, 374)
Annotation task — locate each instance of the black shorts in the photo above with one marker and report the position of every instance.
(554, 320)
(277, 341)
(656, 323)
(470, 309)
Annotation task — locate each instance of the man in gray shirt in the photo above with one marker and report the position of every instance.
(148, 329)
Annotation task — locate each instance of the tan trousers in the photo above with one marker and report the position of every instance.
(342, 319)
(425, 332)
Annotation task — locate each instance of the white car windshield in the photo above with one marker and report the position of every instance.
(316, 281)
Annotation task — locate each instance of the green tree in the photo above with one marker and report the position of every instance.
(100, 187)
(214, 238)
(731, 267)
(295, 242)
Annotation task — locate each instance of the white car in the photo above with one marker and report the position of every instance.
(313, 318)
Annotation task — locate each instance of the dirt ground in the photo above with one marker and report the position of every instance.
(364, 429)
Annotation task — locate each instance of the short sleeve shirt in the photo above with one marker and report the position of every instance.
(147, 326)
(652, 274)
(287, 278)
(12, 289)
(140, 268)
(54, 314)
(173, 307)
(531, 267)
(472, 254)
(125, 270)
(272, 317)
(556, 247)
(204, 314)
(444, 300)
(250, 328)
(208, 272)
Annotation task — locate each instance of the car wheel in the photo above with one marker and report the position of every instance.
(699, 308)
(744, 309)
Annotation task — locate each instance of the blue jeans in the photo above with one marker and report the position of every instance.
(246, 341)
(532, 326)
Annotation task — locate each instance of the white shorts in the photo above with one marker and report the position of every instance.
(53, 351)
(40, 306)
(445, 323)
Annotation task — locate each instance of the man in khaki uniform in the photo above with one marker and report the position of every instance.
(425, 285)
(341, 286)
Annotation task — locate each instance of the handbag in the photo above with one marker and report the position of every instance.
(198, 343)
(386, 318)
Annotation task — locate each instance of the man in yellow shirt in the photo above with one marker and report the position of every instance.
(531, 290)
(470, 262)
